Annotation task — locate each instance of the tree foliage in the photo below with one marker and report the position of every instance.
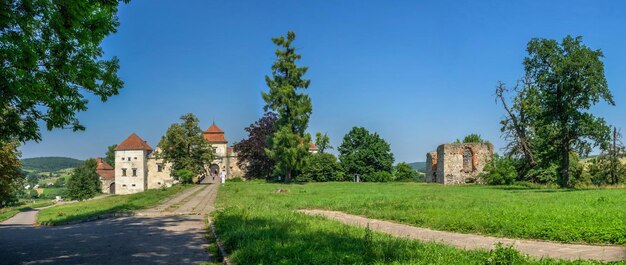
(473, 138)
(84, 183)
(549, 118)
(289, 144)
(110, 155)
(184, 146)
(322, 141)
(50, 55)
(499, 171)
(569, 78)
(11, 176)
(251, 151)
(404, 172)
(321, 167)
(364, 153)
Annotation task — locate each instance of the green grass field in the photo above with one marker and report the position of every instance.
(113, 204)
(259, 226)
(8, 212)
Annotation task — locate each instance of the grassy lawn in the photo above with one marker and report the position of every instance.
(8, 212)
(113, 204)
(259, 226)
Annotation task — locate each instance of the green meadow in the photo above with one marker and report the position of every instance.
(260, 226)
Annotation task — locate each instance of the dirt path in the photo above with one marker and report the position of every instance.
(155, 236)
(532, 248)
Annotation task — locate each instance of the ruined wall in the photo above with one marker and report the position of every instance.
(431, 167)
(459, 163)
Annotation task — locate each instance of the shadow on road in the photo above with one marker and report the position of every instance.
(133, 240)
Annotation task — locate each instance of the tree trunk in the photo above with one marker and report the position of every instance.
(288, 176)
(565, 174)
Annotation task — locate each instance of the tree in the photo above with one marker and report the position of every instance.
(404, 172)
(321, 167)
(607, 168)
(184, 146)
(364, 154)
(251, 151)
(11, 175)
(50, 55)
(288, 145)
(569, 78)
(110, 155)
(322, 142)
(517, 127)
(473, 138)
(84, 183)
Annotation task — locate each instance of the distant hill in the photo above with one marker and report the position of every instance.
(49, 164)
(419, 166)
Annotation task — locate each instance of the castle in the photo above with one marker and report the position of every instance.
(457, 163)
(138, 169)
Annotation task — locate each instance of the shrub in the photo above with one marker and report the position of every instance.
(504, 255)
(235, 179)
(380, 176)
(499, 171)
(185, 176)
(321, 167)
(404, 172)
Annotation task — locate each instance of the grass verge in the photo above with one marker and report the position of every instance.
(113, 204)
(8, 212)
(259, 226)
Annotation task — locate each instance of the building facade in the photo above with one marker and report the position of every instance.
(138, 169)
(457, 163)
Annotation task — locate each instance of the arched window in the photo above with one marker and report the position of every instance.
(467, 160)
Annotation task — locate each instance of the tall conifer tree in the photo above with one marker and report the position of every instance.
(289, 143)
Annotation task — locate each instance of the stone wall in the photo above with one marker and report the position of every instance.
(458, 163)
(159, 173)
(431, 167)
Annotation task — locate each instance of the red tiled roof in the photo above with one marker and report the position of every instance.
(104, 170)
(312, 146)
(214, 135)
(213, 129)
(133, 142)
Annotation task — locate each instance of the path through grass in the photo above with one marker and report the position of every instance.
(112, 204)
(259, 226)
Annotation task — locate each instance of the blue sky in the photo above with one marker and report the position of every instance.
(418, 73)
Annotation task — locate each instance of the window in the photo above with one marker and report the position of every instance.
(123, 172)
(468, 160)
(159, 168)
(124, 185)
(135, 158)
(134, 172)
(133, 185)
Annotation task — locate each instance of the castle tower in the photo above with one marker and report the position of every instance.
(215, 136)
(131, 171)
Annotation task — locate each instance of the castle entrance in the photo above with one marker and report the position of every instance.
(214, 170)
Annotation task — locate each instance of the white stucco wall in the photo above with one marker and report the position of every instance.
(129, 160)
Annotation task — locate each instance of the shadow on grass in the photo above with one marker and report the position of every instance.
(136, 240)
(533, 189)
(299, 239)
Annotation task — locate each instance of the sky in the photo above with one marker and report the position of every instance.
(418, 73)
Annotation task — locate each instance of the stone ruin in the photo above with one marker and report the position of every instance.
(457, 163)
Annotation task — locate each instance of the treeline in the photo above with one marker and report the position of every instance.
(49, 164)
(277, 147)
